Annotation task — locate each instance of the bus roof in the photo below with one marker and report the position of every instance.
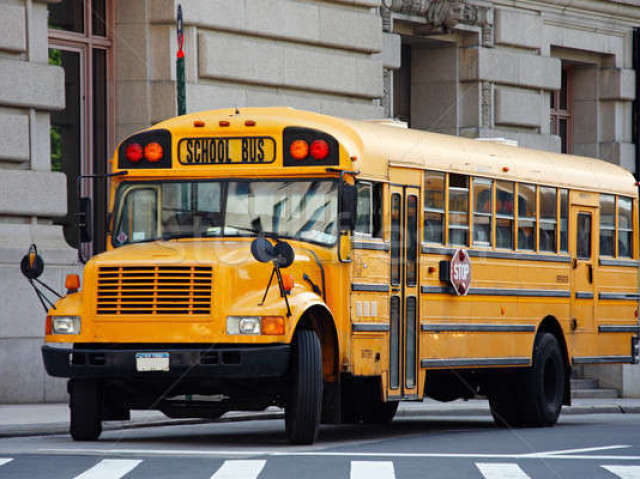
(377, 146)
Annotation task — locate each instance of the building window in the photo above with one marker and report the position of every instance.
(81, 134)
(561, 112)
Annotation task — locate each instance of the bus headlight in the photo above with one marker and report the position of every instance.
(265, 325)
(66, 324)
(243, 325)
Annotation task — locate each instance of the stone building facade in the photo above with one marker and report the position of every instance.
(77, 76)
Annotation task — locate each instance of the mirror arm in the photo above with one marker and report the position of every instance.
(78, 180)
(42, 297)
(341, 179)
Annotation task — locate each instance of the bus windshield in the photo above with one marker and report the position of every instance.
(305, 210)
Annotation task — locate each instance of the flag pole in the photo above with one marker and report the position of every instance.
(180, 83)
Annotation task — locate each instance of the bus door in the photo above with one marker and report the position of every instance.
(403, 311)
(582, 246)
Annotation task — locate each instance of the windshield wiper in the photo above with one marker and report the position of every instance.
(260, 231)
(170, 236)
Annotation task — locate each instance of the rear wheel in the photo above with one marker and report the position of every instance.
(543, 384)
(533, 398)
(303, 410)
(503, 400)
(86, 424)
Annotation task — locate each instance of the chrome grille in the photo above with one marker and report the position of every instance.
(184, 290)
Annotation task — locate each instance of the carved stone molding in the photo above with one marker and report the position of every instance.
(442, 15)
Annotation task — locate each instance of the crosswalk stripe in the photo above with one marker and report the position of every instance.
(4, 460)
(624, 472)
(502, 470)
(372, 470)
(110, 469)
(236, 469)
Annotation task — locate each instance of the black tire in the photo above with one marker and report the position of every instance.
(362, 404)
(543, 384)
(85, 402)
(503, 400)
(533, 398)
(304, 405)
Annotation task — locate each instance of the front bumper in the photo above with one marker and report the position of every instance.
(201, 362)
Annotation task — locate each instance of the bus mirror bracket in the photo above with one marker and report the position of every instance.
(347, 210)
(84, 222)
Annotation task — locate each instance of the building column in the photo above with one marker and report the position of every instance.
(31, 196)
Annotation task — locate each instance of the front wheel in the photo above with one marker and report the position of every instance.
(304, 406)
(85, 402)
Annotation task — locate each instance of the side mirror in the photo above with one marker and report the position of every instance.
(348, 204)
(32, 264)
(85, 223)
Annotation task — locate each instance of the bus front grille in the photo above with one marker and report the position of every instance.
(151, 290)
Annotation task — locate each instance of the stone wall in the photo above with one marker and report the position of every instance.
(493, 78)
(321, 56)
(30, 197)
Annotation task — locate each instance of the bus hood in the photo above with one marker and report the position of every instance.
(191, 280)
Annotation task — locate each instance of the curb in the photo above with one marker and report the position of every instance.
(63, 428)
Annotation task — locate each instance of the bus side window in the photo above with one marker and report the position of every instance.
(458, 209)
(564, 220)
(625, 227)
(504, 214)
(526, 216)
(583, 248)
(482, 211)
(365, 200)
(548, 219)
(434, 183)
(369, 217)
(607, 225)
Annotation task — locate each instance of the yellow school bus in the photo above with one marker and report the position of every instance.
(269, 256)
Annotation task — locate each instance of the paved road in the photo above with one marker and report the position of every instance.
(590, 446)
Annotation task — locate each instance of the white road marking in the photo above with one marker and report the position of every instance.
(372, 470)
(239, 470)
(249, 453)
(109, 469)
(4, 460)
(624, 472)
(569, 451)
(501, 470)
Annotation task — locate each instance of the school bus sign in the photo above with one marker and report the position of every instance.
(460, 272)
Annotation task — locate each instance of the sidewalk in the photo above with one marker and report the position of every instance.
(40, 419)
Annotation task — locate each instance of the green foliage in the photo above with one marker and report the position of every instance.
(56, 148)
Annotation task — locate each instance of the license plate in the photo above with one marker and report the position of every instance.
(152, 361)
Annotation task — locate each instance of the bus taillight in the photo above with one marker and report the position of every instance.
(153, 152)
(299, 149)
(319, 149)
(134, 152)
(149, 149)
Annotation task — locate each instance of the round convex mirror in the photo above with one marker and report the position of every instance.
(284, 254)
(32, 264)
(262, 250)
